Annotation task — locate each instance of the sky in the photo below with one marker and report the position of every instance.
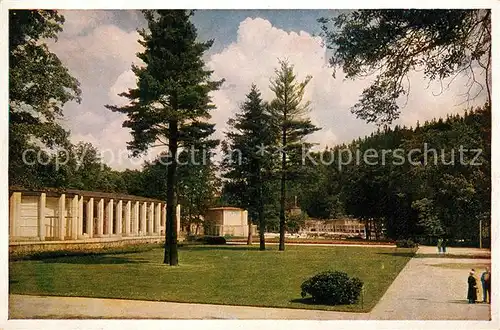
(99, 47)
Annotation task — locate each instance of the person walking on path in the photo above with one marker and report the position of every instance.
(486, 284)
(443, 245)
(478, 291)
(440, 245)
(472, 288)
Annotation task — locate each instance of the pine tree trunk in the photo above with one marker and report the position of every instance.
(262, 228)
(283, 193)
(262, 223)
(171, 256)
(249, 236)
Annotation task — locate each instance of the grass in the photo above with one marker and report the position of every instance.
(73, 253)
(310, 240)
(236, 275)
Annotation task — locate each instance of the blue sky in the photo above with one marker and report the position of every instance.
(99, 47)
(224, 23)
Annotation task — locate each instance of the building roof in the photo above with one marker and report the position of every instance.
(56, 192)
(222, 208)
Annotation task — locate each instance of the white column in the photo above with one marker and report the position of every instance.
(156, 228)
(61, 219)
(164, 217)
(109, 216)
(150, 218)
(80, 218)
(100, 217)
(15, 213)
(221, 227)
(142, 227)
(90, 218)
(135, 213)
(119, 217)
(74, 218)
(246, 223)
(128, 208)
(178, 218)
(245, 218)
(41, 216)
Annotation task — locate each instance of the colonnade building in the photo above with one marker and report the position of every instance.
(72, 215)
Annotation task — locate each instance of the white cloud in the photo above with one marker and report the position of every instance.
(99, 55)
(111, 143)
(102, 54)
(78, 137)
(428, 101)
(254, 57)
(88, 117)
(124, 81)
(324, 138)
(77, 21)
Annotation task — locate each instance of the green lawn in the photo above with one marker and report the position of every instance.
(236, 275)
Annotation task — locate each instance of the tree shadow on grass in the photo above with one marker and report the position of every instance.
(306, 301)
(92, 253)
(398, 254)
(310, 301)
(222, 248)
(94, 260)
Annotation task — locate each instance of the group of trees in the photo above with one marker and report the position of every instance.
(390, 44)
(432, 192)
(268, 140)
(171, 104)
(39, 86)
(405, 200)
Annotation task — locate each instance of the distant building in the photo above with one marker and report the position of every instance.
(221, 221)
(295, 209)
(346, 227)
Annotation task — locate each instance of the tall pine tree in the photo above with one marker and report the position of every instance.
(247, 162)
(289, 114)
(170, 105)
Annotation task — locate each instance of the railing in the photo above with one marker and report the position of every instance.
(227, 229)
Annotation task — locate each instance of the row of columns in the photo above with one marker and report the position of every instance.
(139, 218)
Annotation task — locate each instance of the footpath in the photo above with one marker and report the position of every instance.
(434, 287)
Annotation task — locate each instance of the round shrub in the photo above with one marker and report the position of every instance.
(213, 240)
(406, 243)
(332, 288)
